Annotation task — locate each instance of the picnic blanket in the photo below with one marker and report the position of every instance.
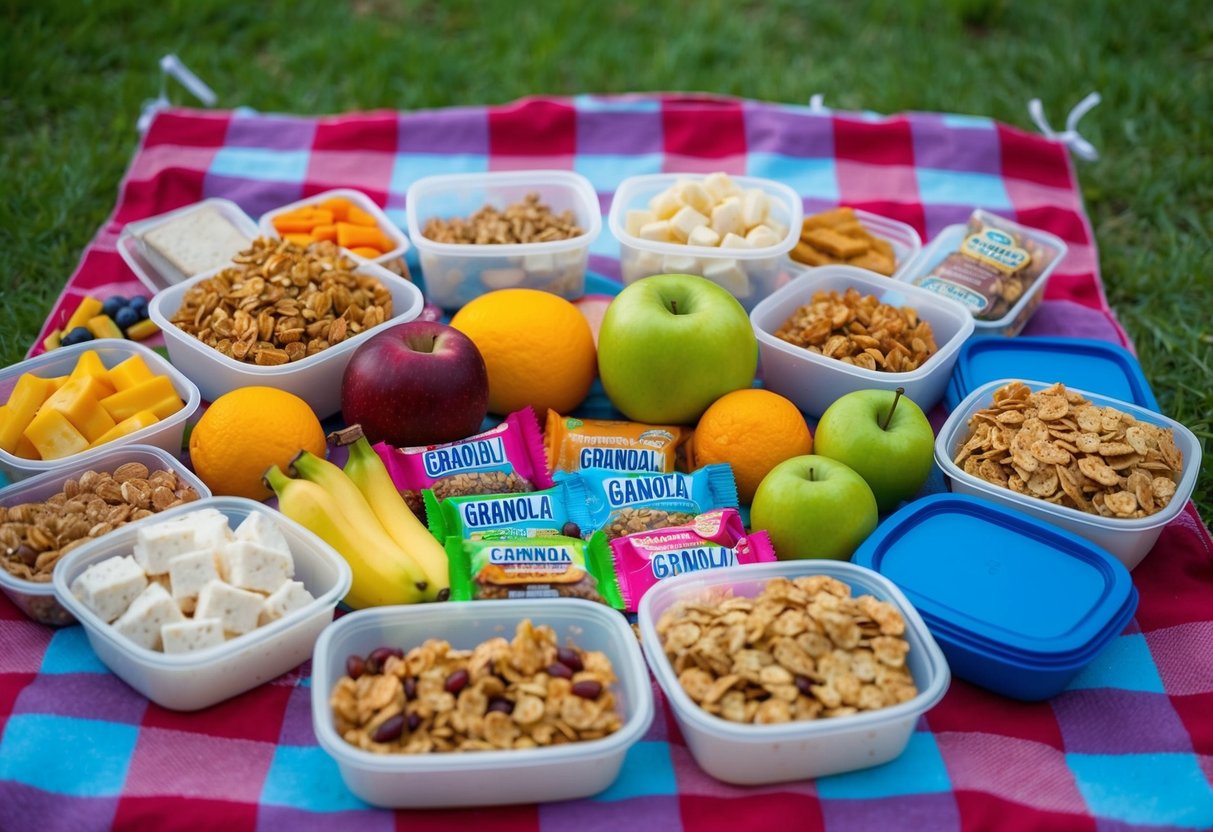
(1128, 745)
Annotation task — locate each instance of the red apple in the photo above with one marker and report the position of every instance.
(593, 307)
(416, 383)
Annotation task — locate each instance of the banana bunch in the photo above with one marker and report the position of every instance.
(359, 512)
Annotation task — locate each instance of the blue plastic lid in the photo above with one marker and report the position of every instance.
(1001, 581)
(1085, 363)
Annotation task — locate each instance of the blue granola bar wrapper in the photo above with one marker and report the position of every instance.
(621, 503)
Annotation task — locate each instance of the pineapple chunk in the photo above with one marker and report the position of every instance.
(130, 372)
(90, 307)
(53, 435)
(156, 395)
(144, 329)
(139, 421)
(28, 395)
(51, 342)
(89, 364)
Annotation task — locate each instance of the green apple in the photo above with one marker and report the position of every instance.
(670, 345)
(884, 436)
(814, 507)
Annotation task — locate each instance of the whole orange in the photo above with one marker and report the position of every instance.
(753, 430)
(246, 431)
(537, 347)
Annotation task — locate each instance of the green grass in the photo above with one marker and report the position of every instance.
(76, 74)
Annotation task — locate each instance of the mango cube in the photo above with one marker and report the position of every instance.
(53, 435)
(139, 421)
(156, 395)
(127, 374)
(89, 364)
(90, 307)
(103, 326)
(79, 400)
(144, 329)
(27, 396)
(51, 342)
(26, 449)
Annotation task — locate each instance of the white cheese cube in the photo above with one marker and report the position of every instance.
(726, 218)
(703, 236)
(733, 241)
(642, 265)
(539, 265)
(250, 565)
(729, 275)
(191, 634)
(754, 207)
(680, 264)
(263, 529)
(719, 185)
(636, 219)
(291, 596)
(107, 588)
(658, 232)
(151, 610)
(190, 572)
(502, 278)
(237, 608)
(780, 228)
(685, 221)
(694, 195)
(665, 204)
(761, 236)
(159, 543)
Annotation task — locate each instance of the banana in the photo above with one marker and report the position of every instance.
(382, 575)
(369, 474)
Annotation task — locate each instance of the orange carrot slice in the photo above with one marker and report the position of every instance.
(325, 232)
(367, 252)
(339, 207)
(359, 217)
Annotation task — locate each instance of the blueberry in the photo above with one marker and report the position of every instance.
(77, 336)
(112, 304)
(126, 318)
(139, 304)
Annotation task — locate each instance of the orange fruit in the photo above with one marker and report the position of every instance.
(246, 431)
(753, 430)
(537, 347)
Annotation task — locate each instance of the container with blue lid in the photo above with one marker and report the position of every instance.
(1017, 605)
(1098, 366)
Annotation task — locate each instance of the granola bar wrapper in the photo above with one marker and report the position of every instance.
(621, 503)
(553, 566)
(559, 510)
(713, 540)
(630, 447)
(506, 459)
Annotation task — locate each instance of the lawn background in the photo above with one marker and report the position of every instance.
(75, 74)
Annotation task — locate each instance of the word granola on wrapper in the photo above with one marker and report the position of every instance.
(1057, 446)
(560, 509)
(616, 445)
(558, 566)
(802, 649)
(528, 692)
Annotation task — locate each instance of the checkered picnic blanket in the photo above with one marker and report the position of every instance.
(1129, 744)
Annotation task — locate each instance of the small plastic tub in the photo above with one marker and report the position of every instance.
(192, 681)
(750, 274)
(813, 381)
(1129, 539)
(393, 259)
(482, 778)
(1022, 613)
(455, 273)
(315, 379)
(166, 434)
(757, 754)
(902, 237)
(150, 267)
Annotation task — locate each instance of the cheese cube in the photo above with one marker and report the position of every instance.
(189, 635)
(780, 229)
(644, 264)
(694, 195)
(726, 218)
(636, 219)
(187, 575)
(158, 544)
(680, 264)
(761, 236)
(754, 207)
(107, 588)
(659, 232)
(665, 204)
(729, 275)
(151, 610)
(237, 609)
(263, 529)
(733, 241)
(291, 596)
(502, 278)
(703, 236)
(720, 186)
(685, 221)
(250, 565)
(539, 265)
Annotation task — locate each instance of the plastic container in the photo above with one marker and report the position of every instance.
(755, 754)
(902, 237)
(455, 273)
(315, 379)
(482, 778)
(815, 381)
(749, 274)
(393, 257)
(1130, 540)
(191, 681)
(1106, 368)
(36, 599)
(1022, 613)
(166, 434)
(150, 267)
(949, 240)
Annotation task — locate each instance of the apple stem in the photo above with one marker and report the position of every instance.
(346, 436)
(812, 475)
(896, 399)
(674, 306)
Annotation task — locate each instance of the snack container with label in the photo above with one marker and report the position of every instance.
(902, 237)
(36, 598)
(748, 754)
(455, 273)
(814, 381)
(167, 433)
(316, 379)
(1129, 539)
(194, 680)
(482, 778)
(392, 259)
(749, 274)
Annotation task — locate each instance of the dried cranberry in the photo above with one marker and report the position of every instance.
(804, 684)
(380, 655)
(390, 729)
(414, 721)
(559, 670)
(456, 682)
(410, 688)
(570, 529)
(570, 658)
(355, 666)
(587, 688)
(500, 703)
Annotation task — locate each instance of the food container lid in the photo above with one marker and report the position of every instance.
(1098, 366)
(1000, 581)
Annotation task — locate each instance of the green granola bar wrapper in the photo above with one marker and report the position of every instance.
(554, 566)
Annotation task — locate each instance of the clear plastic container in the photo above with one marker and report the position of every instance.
(192, 681)
(153, 270)
(482, 778)
(813, 381)
(393, 260)
(166, 434)
(902, 237)
(750, 274)
(315, 379)
(37, 599)
(1129, 539)
(756, 754)
(456, 273)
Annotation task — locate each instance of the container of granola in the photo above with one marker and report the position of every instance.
(790, 670)
(476, 232)
(51, 502)
(1116, 482)
(527, 764)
